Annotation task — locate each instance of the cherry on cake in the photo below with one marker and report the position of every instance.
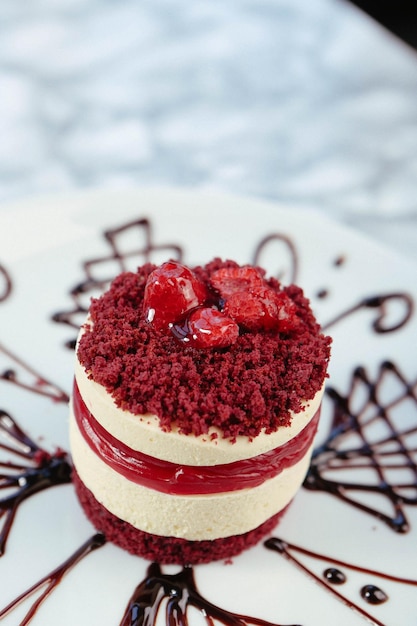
(196, 399)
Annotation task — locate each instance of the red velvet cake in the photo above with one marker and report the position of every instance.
(196, 400)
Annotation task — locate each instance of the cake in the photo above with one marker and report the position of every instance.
(196, 399)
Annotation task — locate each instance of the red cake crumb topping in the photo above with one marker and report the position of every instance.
(247, 386)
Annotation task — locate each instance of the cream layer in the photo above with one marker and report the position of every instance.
(143, 433)
(188, 517)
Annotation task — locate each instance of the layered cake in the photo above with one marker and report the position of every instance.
(196, 399)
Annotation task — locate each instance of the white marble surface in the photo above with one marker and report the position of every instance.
(306, 103)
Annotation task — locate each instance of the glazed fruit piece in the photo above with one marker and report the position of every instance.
(171, 291)
(239, 297)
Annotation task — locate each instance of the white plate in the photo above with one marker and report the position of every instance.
(43, 244)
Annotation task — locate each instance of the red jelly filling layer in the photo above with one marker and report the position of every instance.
(184, 480)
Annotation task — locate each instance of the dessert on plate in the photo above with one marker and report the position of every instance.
(196, 399)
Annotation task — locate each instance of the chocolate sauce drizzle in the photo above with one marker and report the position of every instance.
(380, 303)
(339, 261)
(334, 576)
(5, 283)
(33, 470)
(181, 593)
(373, 594)
(387, 456)
(370, 593)
(272, 239)
(51, 580)
(21, 374)
(99, 272)
(36, 383)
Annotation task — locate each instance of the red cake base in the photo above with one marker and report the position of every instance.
(166, 549)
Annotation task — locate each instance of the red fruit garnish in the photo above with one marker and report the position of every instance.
(208, 328)
(230, 280)
(264, 310)
(170, 292)
(287, 313)
(253, 311)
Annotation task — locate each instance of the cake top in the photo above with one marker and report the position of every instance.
(218, 346)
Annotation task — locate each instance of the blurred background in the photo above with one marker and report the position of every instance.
(310, 104)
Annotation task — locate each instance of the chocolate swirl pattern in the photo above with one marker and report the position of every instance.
(48, 583)
(16, 371)
(181, 593)
(390, 459)
(5, 283)
(285, 251)
(33, 470)
(99, 272)
(380, 304)
(333, 576)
